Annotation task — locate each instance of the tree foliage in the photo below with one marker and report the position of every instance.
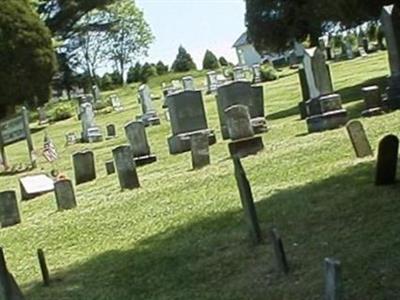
(210, 61)
(183, 61)
(27, 61)
(161, 68)
(274, 24)
(223, 62)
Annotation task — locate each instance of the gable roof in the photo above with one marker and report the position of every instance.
(242, 40)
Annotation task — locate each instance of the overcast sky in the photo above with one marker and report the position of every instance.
(195, 24)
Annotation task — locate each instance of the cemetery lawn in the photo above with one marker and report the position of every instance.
(182, 234)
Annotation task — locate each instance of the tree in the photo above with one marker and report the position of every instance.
(274, 24)
(27, 62)
(161, 68)
(223, 62)
(183, 61)
(134, 73)
(210, 61)
(147, 71)
(129, 37)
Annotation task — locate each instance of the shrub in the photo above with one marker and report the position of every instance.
(223, 62)
(210, 61)
(62, 112)
(183, 61)
(268, 73)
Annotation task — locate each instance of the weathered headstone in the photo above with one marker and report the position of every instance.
(390, 19)
(111, 131)
(244, 142)
(200, 150)
(246, 198)
(279, 251)
(187, 117)
(96, 93)
(9, 289)
(65, 195)
(239, 74)
(333, 280)
(212, 82)
(256, 73)
(35, 185)
(84, 166)
(386, 165)
(359, 139)
(241, 92)
(90, 132)
(43, 119)
(137, 137)
(372, 100)
(349, 50)
(188, 83)
(126, 168)
(116, 103)
(9, 212)
(71, 139)
(110, 168)
(149, 116)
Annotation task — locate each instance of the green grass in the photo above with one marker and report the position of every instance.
(182, 235)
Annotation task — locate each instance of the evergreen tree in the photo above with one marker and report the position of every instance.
(161, 68)
(27, 62)
(210, 61)
(223, 62)
(183, 61)
(134, 73)
(147, 71)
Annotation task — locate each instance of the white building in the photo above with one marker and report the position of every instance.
(247, 54)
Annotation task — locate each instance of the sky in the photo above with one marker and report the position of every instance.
(197, 25)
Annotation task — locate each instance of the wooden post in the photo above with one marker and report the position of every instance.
(28, 135)
(43, 267)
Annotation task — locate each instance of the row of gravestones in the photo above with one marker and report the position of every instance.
(322, 108)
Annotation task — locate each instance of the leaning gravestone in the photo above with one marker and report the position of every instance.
(359, 139)
(111, 131)
(187, 117)
(390, 19)
(246, 197)
(84, 167)
(244, 142)
(200, 150)
(9, 289)
(241, 92)
(137, 137)
(279, 250)
(386, 166)
(9, 212)
(372, 100)
(188, 83)
(149, 116)
(65, 195)
(333, 280)
(126, 168)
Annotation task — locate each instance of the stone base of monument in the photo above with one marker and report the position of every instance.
(303, 110)
(245, 147)
(150, 119)
(376, 111)
(327, 121)
(259, 125)
(144, 160)
(181, 143)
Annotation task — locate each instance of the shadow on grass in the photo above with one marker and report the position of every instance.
(343, 216)
(349, 94)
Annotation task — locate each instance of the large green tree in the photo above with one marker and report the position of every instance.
(210, 61)
(274, 24)
(27, 61)
(183, 61)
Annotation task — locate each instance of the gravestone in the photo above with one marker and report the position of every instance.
(43, 267)
(110, 168)
(386, 165)
(43, 119)
(241, 92)
(90, 132)
(200, 150)
(243, 142)
(212, 82)
(149, 116)
(246, 198)
(71, 139)
(126, 168)
(96, 93)
(9, 212)
(65, 195)
(256, 73)
(333, 280)
(359, 139)
(35, 185)
(349, 50)
(84, 166)
(136, 135)
(9, 289)
(279, 251)
(304, 92)
(188, 83)
(116, 103)
(390, 20)
(187, 117)
(111, 131)
(373, 101)
(239, 74)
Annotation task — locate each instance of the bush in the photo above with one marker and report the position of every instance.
(62, 112)
(161, 68)
(223, 62)
(210, 61)
(268, 73)
(183, 61)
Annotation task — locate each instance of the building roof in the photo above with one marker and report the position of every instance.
(242, 40)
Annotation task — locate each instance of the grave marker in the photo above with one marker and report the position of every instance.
(359, 139)
(212, 82)
(333, 280)
(279, 251)
(65, 195)
(36, 185)
(111, 131)
(200, 150)
(110, 168)
(137, 137)
(188, 83)
(43, 267)
(149, 114)
(9, 289)
(9, 212)
(84, 166)
(238, 74)
(126, 168)
(90, 132)
(256, 73)
(373, 101)
(386, 165)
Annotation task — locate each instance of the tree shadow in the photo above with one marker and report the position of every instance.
(348, 94)
(344, 216)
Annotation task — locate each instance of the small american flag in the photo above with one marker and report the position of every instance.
(49, 150)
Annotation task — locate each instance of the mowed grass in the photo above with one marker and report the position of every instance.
(182, 235)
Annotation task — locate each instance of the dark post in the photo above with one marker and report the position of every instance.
(5, 285)
(333, 279)
(28, 135)
(386, 165)
(279, 251)
(43, 267)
